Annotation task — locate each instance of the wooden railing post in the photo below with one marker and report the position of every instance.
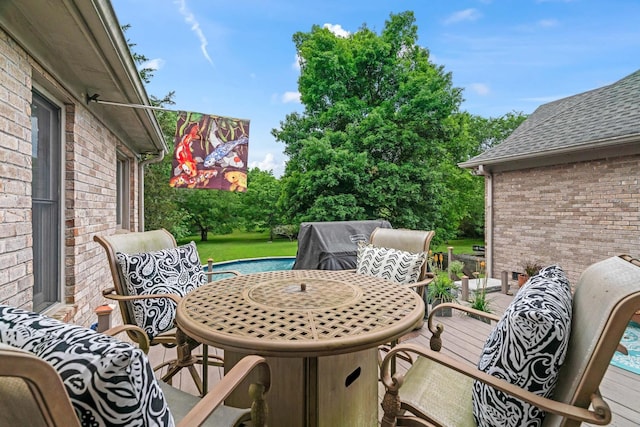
(464, 289)
(504, 278)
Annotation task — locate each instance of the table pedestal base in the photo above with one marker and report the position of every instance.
(328, 391)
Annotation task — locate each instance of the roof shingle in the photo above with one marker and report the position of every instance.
(598, 117)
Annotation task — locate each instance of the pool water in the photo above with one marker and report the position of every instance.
(253, 265)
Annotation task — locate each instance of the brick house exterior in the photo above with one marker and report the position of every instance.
(565, 186)
(61, 53)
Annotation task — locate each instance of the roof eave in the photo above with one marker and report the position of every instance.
(611, 147)
(81, 45)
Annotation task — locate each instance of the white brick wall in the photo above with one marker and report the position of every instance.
(16, 265)
(573, 215)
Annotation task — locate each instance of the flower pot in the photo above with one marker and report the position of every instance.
(522, 279)
(444, 312)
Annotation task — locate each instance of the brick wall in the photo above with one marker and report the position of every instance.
(574, 214)
(16, 259)
(89, 192)
(90, 208)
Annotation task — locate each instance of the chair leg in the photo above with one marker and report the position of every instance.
(171, 372)
(186, 359)
(196, 379)
(205, 369)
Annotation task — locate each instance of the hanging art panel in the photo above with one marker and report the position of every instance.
(210, 152)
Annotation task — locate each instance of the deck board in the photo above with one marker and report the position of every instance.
(620, 388)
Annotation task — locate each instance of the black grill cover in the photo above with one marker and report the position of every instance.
(332, 245)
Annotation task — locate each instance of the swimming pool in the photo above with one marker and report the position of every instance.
(253, 265)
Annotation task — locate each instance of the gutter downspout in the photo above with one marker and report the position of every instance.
(141, 167)
(488, 217)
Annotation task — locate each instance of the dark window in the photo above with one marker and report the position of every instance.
(45, 196)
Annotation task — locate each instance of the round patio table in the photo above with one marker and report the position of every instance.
(319, 330)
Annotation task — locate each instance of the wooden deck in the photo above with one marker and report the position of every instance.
(463, 339)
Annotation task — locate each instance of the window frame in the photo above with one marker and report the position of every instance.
(123, 191)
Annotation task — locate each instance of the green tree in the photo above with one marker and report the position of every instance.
(211, 211)
(376, 134)
(163, 209)
(480, 134)
(260, 211)
(492, 131)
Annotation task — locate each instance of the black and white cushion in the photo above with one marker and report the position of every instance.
(168, 271)
(109, 382)
(526, 348)
(389, 264)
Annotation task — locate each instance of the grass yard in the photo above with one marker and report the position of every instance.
(460, 246)
(239, 245)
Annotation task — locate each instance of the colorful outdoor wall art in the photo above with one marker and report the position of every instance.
(211, 152)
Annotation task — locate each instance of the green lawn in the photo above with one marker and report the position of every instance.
(239, 245)
(460, 246)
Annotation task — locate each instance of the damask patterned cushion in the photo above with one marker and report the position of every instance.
(169, 271)
(526, 348)
(110, 382)
(390, 264)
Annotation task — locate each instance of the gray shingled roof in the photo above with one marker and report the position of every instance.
(601, 117)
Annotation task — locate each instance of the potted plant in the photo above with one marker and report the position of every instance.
(479, 300)
(455, 269)
(442, 290)
(531, 268)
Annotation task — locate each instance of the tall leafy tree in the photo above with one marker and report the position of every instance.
(480, 134)
(211, 211)
(163, 209)
(259, 202)
(377, 131)
(487, 132)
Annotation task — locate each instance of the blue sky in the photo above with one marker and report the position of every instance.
(237, 58)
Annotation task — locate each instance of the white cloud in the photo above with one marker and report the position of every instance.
(290, 97)
(296, 63)
(548, 23)
(479, 88)
(265, 164)
(154, 64)
(463, 15)
(190, 19)
(337, 30)
(269, 164)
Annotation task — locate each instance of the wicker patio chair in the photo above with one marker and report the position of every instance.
(33, 393)
(143, 242)
(437, 389)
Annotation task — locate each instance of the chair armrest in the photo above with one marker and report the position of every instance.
(436, 330)
(142, 337)
(600, 415)
(234, 272)
(111, 294)
(199, 413)
(424, 282)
